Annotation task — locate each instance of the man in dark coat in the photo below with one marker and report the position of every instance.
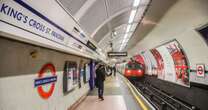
(114, 70)
(100, 78)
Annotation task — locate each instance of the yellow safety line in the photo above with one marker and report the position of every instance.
(135, 96)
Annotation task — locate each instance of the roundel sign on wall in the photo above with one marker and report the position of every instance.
(45, 83)
(200, 70)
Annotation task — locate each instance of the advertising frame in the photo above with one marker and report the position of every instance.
(70, 76)
(185, 57)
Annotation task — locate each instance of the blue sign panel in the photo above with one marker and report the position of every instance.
(46, 80)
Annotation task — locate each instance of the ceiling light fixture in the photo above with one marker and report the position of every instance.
(114, 33)
(131, 18)
(136, 3)
(128, 28)
(125, 36)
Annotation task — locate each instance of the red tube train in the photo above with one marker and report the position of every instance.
(134, 69)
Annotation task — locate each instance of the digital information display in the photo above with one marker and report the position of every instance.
(117, 54)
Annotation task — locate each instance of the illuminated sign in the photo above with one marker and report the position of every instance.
(117, 54)
(91, 45)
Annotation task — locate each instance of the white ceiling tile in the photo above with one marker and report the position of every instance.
(101, 33)
(72, 5)
(121, 29)
(94, 16)
(115, 6)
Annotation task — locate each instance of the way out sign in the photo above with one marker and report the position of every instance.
(200, 70)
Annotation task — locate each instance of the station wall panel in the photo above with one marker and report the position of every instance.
(19, 67)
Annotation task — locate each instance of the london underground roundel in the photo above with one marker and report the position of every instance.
(45, 83)
(200, 70)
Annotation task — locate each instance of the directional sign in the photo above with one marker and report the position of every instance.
(91, 45)
(117, 54)
(200, 70)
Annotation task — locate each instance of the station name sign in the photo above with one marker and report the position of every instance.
(117, 54)
(21, 15)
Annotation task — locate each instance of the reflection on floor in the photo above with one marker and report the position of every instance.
(116, 95)
(115, 102)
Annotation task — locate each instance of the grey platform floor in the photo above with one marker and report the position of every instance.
(117, 97)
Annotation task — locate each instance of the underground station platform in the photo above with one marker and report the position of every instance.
(55, 54)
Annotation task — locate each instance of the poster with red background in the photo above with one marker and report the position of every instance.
(176, 62)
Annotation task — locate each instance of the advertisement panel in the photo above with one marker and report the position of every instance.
(82, 75)
(70, 76)
(150, 63)
(153, 63)
(87, 71)
(160, 64)
(172, 64)
(147, 62)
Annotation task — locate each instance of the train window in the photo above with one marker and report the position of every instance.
(134, 66)
(204, 32)
(128, 66)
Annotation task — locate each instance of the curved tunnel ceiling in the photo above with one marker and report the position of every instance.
(99, 18)
(153, 15)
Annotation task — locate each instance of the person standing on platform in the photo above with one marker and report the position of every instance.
(114, 70)
(100, 78)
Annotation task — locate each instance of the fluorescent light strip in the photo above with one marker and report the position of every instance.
(128, 28)
(121, 48)
(126, 40)
(131, 18)
(125, 36)
(136, 3)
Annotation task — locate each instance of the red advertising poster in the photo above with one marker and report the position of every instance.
(180, 61)
(150, 63)
(160, 65)
(172, 64)
(146, 63)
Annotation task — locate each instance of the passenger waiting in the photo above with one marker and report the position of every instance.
(100, 78)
